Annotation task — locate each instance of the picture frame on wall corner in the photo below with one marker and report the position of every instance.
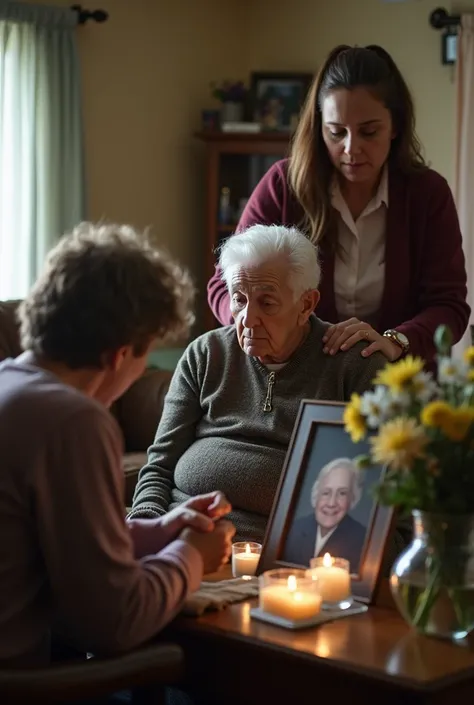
(277, 98)
(325, 503)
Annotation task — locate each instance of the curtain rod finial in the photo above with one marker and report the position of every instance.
(441, 19)
(84, 15)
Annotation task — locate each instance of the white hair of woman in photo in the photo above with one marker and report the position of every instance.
(355, 474)
(338, 490)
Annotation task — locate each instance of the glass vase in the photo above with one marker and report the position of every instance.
(432, 581)
(232, 112)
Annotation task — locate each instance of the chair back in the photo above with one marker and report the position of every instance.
(146, 671)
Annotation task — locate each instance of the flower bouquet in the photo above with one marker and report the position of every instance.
(422, 431)
(229, 91)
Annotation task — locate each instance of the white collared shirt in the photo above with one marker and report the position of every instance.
(359, 272)
(321, 540)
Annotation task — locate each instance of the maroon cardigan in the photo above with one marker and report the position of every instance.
(425, 273)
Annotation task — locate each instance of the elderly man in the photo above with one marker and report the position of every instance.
(330, 528)
(235, 394)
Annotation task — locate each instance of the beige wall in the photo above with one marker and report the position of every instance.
(298, 35)
(146, 74)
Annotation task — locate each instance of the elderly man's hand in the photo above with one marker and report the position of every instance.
(199, 513)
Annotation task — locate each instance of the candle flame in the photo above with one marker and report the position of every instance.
(247, 548)
(327, 560)
(292, 583)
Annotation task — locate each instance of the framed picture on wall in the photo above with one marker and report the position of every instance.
(277, 98)
(325, 504)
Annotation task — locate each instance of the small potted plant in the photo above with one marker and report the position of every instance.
(232, 96)
(422, 430)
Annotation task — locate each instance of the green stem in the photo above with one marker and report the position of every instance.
(427, 598)
(458, 608)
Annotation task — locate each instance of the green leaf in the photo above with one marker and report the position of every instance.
(443, 340)
(363, 461)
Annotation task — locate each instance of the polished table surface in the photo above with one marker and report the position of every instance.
(376, 652)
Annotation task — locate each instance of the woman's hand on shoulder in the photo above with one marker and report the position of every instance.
(342, 336)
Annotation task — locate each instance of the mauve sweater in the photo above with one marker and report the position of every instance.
(215, 434)
(425, 273)
(67, 556)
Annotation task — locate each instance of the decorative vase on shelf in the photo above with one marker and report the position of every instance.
(232, 112)
(432, 581)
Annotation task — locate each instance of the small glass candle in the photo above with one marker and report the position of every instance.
(289, 594)
(245, 558)
(334, 580)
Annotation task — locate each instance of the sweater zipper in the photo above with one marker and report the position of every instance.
(269, 398)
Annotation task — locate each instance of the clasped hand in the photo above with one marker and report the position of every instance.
(199, 522)
(199, 513)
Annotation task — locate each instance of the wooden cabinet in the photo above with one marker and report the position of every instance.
(235, 162)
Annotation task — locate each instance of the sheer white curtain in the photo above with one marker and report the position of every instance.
(41, 167)
(464, 185)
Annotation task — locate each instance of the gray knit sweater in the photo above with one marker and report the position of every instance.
(216, 434)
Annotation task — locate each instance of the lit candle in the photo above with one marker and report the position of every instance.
(245, 558)
(333, 577)
(293, 600)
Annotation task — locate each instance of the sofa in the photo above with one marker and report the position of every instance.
(137, 411)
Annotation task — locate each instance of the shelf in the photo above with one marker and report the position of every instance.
(264, 136)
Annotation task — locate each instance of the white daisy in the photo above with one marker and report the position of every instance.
(424, 387)
(398, 402)
(378, 406)
(451, 371)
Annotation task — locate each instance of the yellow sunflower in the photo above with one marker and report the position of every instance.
(469, 356)
(353, 419)
(399, 443)
(457, 424)
(436, 413)
(397, 376)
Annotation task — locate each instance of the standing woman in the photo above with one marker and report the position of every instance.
(386, 225)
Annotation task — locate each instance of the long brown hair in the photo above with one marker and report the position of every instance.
(310, 169)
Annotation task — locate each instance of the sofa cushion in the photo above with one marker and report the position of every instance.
(9, 338)
(132, 464)
(139, 410)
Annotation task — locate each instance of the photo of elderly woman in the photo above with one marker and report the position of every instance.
(330, 528)
(333, 514)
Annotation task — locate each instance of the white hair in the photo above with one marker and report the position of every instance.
(346, 464)
(262, 243)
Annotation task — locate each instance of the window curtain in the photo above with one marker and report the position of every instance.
(41, 151)
(464, 183)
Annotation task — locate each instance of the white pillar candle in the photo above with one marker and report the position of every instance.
(333, 577)
(290, 601)
(245, 558)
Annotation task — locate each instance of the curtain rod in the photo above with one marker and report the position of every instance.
(440, 19)
(83, 15)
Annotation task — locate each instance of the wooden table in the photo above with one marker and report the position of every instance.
(374, 658)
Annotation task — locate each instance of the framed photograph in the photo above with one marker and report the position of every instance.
(324, 502)
(277, 99)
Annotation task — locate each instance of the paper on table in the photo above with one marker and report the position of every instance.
(216, 596)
